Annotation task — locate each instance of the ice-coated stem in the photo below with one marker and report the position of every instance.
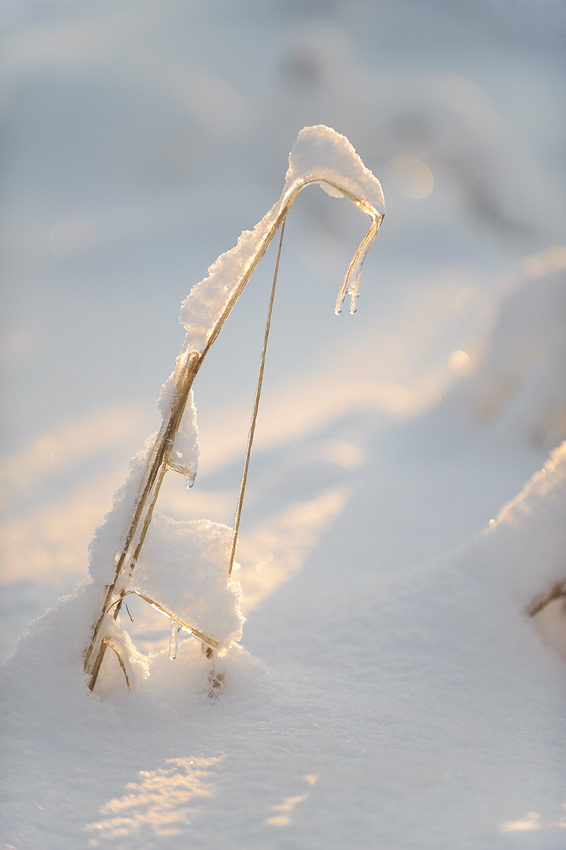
(320, 156)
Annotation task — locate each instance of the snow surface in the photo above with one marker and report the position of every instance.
(433, 688)
(406, 496)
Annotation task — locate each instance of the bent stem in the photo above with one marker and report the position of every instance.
(188, 366)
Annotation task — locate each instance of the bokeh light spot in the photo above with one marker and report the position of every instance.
(409, 176)
(459, 363)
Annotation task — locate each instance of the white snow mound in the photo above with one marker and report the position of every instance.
(184, 567)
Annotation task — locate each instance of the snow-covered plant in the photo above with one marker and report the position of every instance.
(183, 569)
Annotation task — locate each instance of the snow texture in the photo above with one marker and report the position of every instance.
(453, 675)
(109, 538)
(185, 451)
(183, 566)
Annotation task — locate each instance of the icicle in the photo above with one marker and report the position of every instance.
(189, 470)
(191, 474)
(351, 283)
(174, 640)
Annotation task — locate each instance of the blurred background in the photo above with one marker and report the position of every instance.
(139, 138)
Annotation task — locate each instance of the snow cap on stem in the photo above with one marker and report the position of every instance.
(321, 155)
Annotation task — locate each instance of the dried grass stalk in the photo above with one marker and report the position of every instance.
(188, 366)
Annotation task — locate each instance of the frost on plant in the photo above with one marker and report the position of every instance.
(182, 569)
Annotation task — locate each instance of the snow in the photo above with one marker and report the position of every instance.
(109, 538)
(525, 370)
(183, 566)
(185, 452)
(406, 497)
(437, 682)
(320, 154)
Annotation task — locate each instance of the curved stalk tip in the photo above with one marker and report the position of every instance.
(351, 283)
